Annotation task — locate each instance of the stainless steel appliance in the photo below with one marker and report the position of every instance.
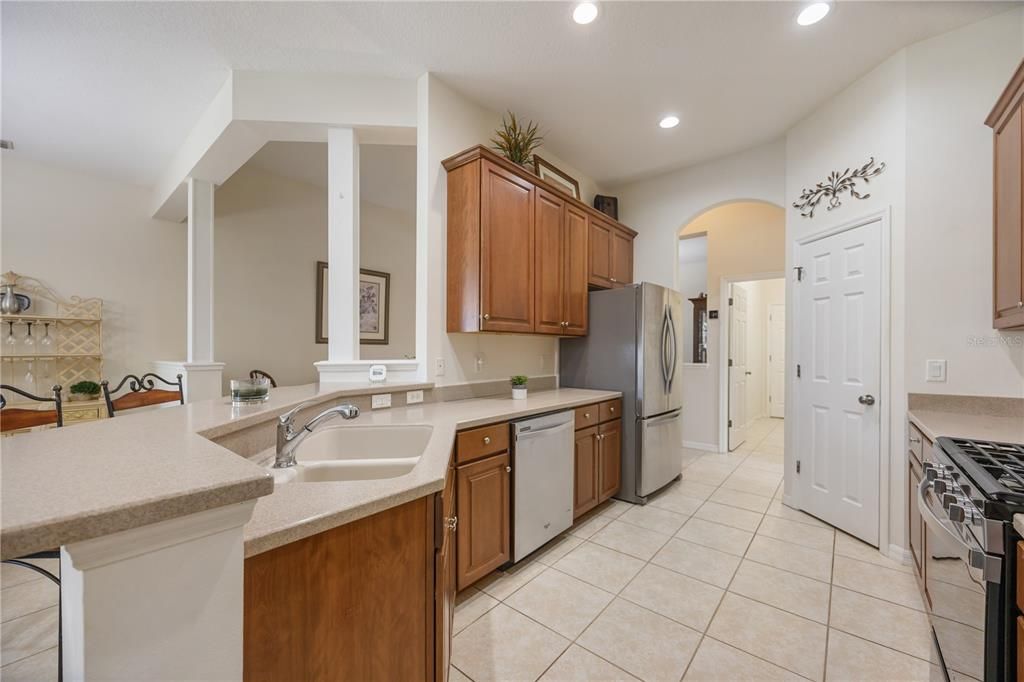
(633, 347)
(967, 499)
(543, 479)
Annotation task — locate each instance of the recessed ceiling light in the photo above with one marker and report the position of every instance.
(584, 13)
(813, 13)
(669, 122)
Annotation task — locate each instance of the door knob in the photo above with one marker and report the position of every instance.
(866, 399)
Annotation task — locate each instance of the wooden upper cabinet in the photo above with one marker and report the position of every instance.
(521, 252)
(621, 258)
(574, 289)
(1007, 121)
(550, 263)
(506, 251)
(600, 254)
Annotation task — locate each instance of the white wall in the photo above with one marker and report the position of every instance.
(387, 243)
(449, 123)
(952, 83)
(87, 236)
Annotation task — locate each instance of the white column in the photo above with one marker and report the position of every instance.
(163, 600)
(343, 244)
(201, 374)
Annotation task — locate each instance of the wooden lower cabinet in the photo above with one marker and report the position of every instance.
(610, 458)
(587, 469)
(915, 531)
(484, 528)
(444, 577)
(339, 605)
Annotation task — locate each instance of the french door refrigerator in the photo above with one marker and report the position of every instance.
(632, 346)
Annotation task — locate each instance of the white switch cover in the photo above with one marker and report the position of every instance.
(439, 367)
(936, 370)
(413, 397)
(380, 400)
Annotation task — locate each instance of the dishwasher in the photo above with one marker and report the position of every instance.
(543, 480)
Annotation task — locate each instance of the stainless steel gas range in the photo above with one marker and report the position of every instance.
(967, 499)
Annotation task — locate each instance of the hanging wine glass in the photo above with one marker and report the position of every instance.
(46, 343)
(47, 362)
(9, 341)
(29, 343)
(29, 382)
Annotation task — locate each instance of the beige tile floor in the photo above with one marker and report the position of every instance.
(715, 579)
(28, 633)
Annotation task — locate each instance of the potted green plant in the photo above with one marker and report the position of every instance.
(518, 387)
(516, 142)
(85, 390)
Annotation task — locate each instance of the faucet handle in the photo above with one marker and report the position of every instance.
(288, 418)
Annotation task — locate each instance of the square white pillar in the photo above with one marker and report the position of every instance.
(200, 271)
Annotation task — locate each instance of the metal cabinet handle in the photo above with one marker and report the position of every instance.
(914, 439)
(508, 469)
(866, 399)
(487, 440)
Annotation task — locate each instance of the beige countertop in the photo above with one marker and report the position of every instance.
(934, 423)
(66, 485)
(298, 510)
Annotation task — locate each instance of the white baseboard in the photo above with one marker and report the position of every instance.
(900, 554)
(694, 445)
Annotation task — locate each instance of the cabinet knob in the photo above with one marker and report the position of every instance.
(487, 440)
(451, 522)
(612, 279)
(1020, 304)
(612, 410)
(487, 316)
(508, 469)
(586, 415)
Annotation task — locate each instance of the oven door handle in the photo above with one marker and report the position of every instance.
(989, 566)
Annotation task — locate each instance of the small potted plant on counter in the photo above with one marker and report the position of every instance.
(518, 387)
(85, 390)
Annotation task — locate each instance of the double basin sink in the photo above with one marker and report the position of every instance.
(356, 453)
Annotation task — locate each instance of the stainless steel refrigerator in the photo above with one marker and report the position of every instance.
(633, 346)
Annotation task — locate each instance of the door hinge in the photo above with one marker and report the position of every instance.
(730, 300)
(730, 362)
(730, 423)
(799, 273)
(798, 371)
(769, 398)
(798, 466)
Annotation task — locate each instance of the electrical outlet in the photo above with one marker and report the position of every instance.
(481, 360)
(380, 400)
(413, 397)
(936, 370)
(439, 367)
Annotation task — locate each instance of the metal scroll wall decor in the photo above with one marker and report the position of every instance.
(835, 184)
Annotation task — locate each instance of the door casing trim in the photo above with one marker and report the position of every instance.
(795, 496)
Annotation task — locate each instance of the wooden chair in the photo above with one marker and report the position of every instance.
(14, 418)
(142, 392)
(260, 374)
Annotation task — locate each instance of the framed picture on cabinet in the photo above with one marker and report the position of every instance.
(557, 177)
(374, 305)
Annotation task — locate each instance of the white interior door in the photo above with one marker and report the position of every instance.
(737, 366)
(838, 327)
(777, 360)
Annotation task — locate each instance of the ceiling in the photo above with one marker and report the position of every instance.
(115, 87)
(387, 173)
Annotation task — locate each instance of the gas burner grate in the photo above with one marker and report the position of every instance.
(1003, 462)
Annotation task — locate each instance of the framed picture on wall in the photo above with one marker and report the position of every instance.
(374, 302)
(374, 305)
(550, 173)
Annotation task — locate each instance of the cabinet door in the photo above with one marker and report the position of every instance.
(610, 460)
(548, 274)
(506, 251)
(621, 258)
(1008, 285)
(444, 580)
(915, 523)
(586, 473)
(482, 536)
(574, 257)
(600, 254)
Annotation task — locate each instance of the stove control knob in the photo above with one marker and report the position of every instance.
(939, 487)
(948, 499)
(966, 490)
(956, 513)
(930, 474)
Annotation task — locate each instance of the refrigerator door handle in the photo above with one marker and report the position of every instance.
(672, 330)
(664, 344)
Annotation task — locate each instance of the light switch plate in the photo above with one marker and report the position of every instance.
(936, 370)
(380, 400)
(413, 397)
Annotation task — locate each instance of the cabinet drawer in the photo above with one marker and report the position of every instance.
(916, 442)
(588, 415)
(611, 409)
(477, 443)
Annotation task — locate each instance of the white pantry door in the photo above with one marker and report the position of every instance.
(839, 329)
(737, 366)
(777, 360)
